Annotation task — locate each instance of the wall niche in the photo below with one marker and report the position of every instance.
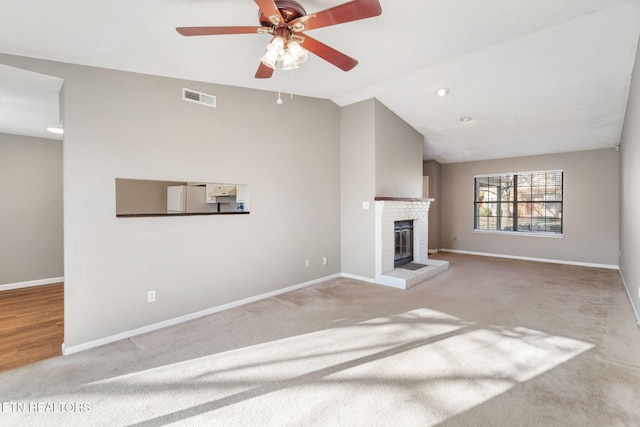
(142, 197)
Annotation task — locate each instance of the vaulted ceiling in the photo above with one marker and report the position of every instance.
(534, 76)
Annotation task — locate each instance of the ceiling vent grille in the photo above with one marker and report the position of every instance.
(201, 98)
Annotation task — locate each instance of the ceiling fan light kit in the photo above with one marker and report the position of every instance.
(288, 52)
(274, 52)
(293, 56)
(286, 20)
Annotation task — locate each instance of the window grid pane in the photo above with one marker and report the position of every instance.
(524, 202)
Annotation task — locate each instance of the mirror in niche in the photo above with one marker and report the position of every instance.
(141, 197)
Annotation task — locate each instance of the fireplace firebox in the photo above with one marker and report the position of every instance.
(403, 232)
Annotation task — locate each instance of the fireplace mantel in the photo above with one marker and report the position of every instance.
(401, 199)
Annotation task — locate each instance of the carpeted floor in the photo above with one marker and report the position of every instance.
(489, 342)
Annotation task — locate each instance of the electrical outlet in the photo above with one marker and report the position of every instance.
(638, 291)
(307, 263)
(325, 261)
(365, 205)
(151, 296)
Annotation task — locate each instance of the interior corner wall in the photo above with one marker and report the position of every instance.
(357, 177)
(128, 125)
(381, 156)
(431, 168)
(590, 209)
(31, 241)
(630, 192)
(398, 155)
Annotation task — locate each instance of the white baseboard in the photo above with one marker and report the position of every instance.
(524, 258)
(149, 328)
(31, 283)
(633, 307)
(356, 277)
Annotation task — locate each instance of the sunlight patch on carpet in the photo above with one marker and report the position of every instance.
(419, 365)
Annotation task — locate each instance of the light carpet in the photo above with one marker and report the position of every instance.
(487, 342)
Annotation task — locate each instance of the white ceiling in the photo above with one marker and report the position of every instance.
(537, 76)
(29, 103)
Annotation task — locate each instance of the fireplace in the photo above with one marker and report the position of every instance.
(410, 217)
(390, 211)
(403, 237)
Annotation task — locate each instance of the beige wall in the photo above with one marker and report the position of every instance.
(591, 182)
(138, 196)
(431, 168)
(357, 180)
(381, 155)
(630, 192)
(120, 124)
(398, 151)
(31, 241)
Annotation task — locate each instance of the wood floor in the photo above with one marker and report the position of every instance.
(31, 325)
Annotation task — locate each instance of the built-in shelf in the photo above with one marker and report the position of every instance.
(180, 214)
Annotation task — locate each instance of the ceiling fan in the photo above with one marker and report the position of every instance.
(286, 21)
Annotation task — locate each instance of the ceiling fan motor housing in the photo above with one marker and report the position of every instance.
(286, 20)
(289, 10)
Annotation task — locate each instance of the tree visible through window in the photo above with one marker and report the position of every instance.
(528, 202)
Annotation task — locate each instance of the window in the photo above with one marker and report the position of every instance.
(523, 202)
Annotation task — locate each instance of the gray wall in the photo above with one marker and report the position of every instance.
(138, 196)
(630, 192)
(121, 124)
(357, 177)
(381, 155)
(398, 155)
(31, 242)
(431, 168)
(591, 182)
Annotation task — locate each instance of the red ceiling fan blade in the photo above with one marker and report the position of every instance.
(212, 31)
(270, 10)
(347, 12)
(264, 72)
(328, 53)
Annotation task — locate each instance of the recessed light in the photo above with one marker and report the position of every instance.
(443, 91)
(465, 119)
(56, 130)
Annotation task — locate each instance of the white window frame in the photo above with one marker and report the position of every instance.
(515, 203)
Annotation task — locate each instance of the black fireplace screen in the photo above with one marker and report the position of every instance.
(403, 231)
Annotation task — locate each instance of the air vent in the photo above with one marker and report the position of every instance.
(198, 97)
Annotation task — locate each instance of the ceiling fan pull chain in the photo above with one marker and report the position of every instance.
(279, 100)
(291, 91)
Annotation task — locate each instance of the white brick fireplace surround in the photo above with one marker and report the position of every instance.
(387, 211)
